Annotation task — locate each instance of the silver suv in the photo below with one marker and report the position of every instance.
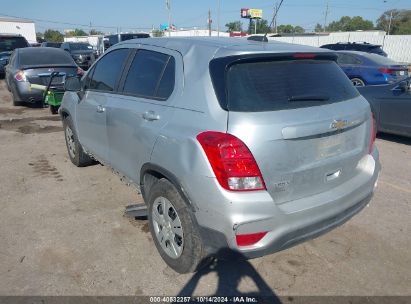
(237, 146)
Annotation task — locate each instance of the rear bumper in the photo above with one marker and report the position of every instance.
(27, 94)
(228, 214)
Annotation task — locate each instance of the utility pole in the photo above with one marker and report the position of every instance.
(168, 6)
(326, 15)
(389, 24)
(218, 18)
(209, 22)
(275, 19)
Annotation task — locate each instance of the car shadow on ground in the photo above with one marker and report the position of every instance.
(395, 138)
(231, 269)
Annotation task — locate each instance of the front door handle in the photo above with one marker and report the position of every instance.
(100, 109)
(151, 115)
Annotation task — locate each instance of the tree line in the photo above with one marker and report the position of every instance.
(400, 25)
(51, 35)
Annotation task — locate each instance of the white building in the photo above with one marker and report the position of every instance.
(24, 27)
(195, 33)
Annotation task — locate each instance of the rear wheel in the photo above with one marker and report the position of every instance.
(75, 151)
(173, 228)
(357, 82)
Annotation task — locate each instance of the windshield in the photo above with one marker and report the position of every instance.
(11, 43)
(279, 85)
(80, 46)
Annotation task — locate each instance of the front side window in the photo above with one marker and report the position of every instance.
(151, 75)
(108, 70)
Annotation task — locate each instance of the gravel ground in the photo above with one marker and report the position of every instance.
(63, 232)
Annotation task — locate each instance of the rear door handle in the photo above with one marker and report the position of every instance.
(100, 109)
(151, 115)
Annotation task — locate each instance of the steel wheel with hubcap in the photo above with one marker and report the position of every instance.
(71, 145)
(167, 227)
(174, 228)
(75, 151)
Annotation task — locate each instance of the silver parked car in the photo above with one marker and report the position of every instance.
(240, 146)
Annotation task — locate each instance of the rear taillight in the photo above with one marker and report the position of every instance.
(80, 71)
(19, 76)
(232, 162)
(304, 55)
(373, 135)
(249, 239)
(389, 71)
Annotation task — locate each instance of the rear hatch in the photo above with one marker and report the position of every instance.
(301, 118)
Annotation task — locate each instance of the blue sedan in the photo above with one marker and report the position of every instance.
(370, 69)
(391, 105)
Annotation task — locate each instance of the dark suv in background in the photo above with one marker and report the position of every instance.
(83, 53)
(356, 46)
(8, 43)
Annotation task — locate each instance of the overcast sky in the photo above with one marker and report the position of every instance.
(128, 15)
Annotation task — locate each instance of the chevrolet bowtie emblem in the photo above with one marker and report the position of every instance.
(339, 124)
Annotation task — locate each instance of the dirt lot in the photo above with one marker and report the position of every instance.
(62, 230)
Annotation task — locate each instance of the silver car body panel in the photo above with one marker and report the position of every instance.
(316, 176)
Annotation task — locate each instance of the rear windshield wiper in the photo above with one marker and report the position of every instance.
(308, 98)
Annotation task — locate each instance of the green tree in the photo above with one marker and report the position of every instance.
(262, 26)
(400, 22)
(39, 37)
(95, 32)
(346, 24)
(298, 29)
(157, 33)
(235, 26)
(53, 36)
(285, 28)
(76, 33)
(318, 28)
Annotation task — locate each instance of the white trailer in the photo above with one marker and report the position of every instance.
(23, 27)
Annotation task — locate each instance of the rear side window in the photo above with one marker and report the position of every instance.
(347, 59)
(108, 70)
(280, 85)
(151, 75)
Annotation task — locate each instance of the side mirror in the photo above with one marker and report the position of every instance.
(404, 86)
(72, 84)
(67, 50)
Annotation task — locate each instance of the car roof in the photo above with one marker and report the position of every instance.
(40, 50)
(220, 46)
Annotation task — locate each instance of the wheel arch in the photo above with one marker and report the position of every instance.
(150, 173)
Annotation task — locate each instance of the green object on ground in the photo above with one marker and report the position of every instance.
(54, 98)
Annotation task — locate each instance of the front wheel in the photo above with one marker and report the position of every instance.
(75, 151)
(173, 228)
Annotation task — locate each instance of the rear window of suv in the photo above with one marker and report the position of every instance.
(11, 43)
(280, 85)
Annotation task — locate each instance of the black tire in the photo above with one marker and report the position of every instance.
(193, 252)
(357, 82)
(54, 109)
(77, 155)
